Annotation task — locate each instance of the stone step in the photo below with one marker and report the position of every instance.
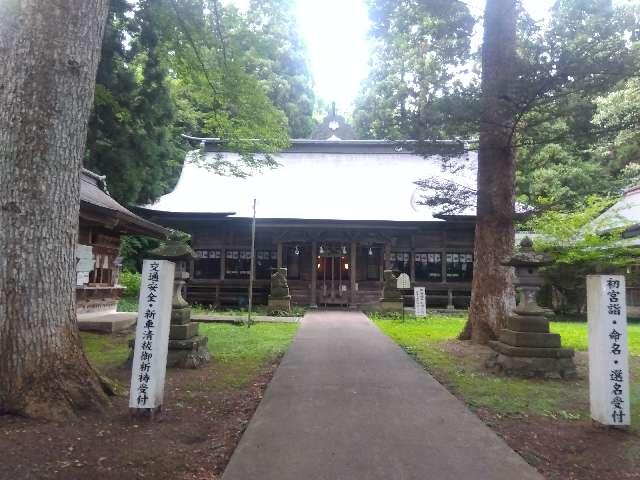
(529, 339)
(522, 323)
(533, 352)
(184, 331)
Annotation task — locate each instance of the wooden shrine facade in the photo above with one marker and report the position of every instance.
(329, 262)
(102, 222)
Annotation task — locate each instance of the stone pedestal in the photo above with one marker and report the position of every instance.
(391, 300)
(186, 348)
(279, 304)
(279, 299)
(526, 348)
(388, 306)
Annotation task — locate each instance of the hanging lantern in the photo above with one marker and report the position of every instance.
(297, 250)
(344, 250)
(321, 250)
(370, 251)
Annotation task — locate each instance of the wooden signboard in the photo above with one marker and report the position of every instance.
(608, 349)
(152, 335)
(420, 301)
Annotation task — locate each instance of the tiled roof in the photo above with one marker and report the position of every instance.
(93, 193)
(625, 213)
(352, 180)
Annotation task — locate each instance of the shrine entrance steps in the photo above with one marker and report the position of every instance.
(348, 403)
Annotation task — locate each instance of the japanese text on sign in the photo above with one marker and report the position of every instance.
(152, 334)
(608, 351)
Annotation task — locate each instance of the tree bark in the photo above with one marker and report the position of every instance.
(491, 296)
(50, 52)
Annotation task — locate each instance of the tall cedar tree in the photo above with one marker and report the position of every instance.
(50, 54)
(491, 296)
(132, 137)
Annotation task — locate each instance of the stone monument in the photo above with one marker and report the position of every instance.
(391, 300)
(526, 348)
(279, 298)
(187, 349)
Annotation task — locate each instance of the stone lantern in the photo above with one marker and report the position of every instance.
(391, 300)
(526, 348)
(279, 298)
(186, 348)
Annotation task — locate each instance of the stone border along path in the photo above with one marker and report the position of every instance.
(347, 403)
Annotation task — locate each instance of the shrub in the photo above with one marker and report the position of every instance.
(130, 280)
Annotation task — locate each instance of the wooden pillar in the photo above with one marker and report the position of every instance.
(279, 250)
(387, 256)
(412, 265)
(223, 261)
(444, 256)
(314, 274)
(352, 267)
(450, 305)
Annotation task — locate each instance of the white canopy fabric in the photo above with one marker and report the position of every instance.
(337, 186)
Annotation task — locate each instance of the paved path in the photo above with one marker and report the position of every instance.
(347, 403)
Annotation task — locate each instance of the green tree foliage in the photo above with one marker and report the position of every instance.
(132, 136)
(412, 91)
(618, 113)
(581, 244)
(277, 57)
(566, 134)
(584, 53)
(172, 67)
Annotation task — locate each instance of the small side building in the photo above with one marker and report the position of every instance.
(101, 225)
(625, 213)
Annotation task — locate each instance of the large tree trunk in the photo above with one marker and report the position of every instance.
(50, 52)
(491, 296)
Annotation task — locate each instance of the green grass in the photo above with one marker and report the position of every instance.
(130, 304)
(104, 351)
(575, 335)
(257, 310)
(242, 351)
(238, 353)
(460, 368)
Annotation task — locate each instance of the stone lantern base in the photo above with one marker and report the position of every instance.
(187, 349)
(279, 304)
(188, 353)
(527, 349)
(388, 306)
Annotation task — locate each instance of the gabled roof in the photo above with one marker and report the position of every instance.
(95, 199)
(341, 180)
(625, 213)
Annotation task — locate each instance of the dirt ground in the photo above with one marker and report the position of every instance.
(193, 438)
(558, 448)
(563, 450)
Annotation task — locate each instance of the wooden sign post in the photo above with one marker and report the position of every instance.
(403, 283)
(420, 301)
(608, 350)
(152, 336)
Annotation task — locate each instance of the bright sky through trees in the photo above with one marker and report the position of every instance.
(335, 32)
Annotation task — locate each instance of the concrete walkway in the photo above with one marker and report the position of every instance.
(347, 403)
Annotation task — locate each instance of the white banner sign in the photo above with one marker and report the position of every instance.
(152, 334)
(404, 281)
(608, 349)
(420, 301)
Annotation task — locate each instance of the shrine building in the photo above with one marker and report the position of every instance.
(336, 213)
(102, 222)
